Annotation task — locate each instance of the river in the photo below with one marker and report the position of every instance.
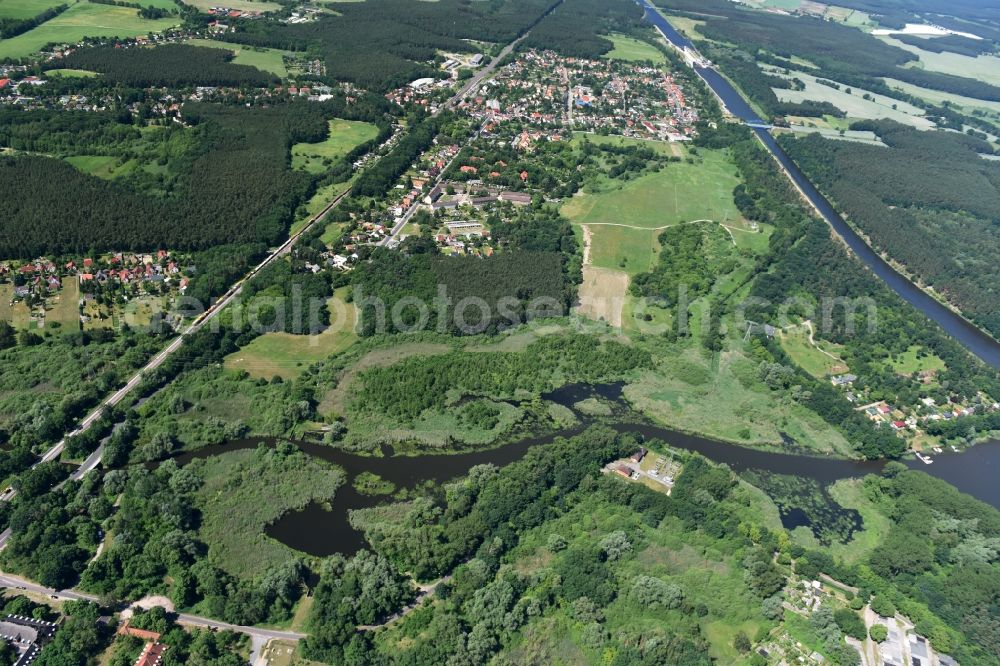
(974, 339)
(319, 531)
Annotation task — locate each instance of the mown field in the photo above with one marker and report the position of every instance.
(83, 20)
(267, 60)
(344, 136)
(633, 50)
(625, 218)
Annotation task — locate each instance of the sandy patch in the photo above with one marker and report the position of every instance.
(602, 294)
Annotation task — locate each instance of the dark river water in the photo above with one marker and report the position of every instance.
(978, 342)
(321, 532)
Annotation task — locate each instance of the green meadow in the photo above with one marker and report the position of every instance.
(633, 50)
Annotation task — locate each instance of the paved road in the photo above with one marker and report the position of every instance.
(471, 85)
(257, 634)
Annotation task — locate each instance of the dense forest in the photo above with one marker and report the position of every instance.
(937, 217)
(579, 27)
(231, 183)
(171, 65)
(381, 46)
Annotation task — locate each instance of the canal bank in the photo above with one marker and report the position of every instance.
(954, 324)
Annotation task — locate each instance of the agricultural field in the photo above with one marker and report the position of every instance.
(266, 60)
(633, 50)
(852, 103)
(25, 9)
(240, 5)
(344, 136)
(723, 397)
(602, 294)
(818, 362)
(286, 355)
(244, 491)
(984, 68)
(938, 97)
(84, 20)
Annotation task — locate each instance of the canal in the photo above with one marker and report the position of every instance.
(974, 339)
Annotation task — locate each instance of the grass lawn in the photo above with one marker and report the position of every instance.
(626, 217)
(319, 201)
(433, 428)
(266, 60)
(795, 343)
(244, 491)
(102, 166)
(631, 49)
(83, 20)
(623, 249)
(665, 147)
(6, 313)
(241, 5)
(24, 9)
(344, 136)
(286, 355)
(139, 311)
(916, 359)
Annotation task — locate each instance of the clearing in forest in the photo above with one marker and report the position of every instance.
(343, 137)
(266, 60)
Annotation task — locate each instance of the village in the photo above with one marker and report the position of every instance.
(910, 420)
(541, 91)
(108, 291)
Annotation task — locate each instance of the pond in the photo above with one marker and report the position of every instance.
(320, 531)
